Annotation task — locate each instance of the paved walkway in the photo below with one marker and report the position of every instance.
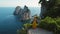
(38, 31)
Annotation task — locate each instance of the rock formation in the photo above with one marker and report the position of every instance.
(17, 9)
(24, 13)
(50, 8)
(43, 7)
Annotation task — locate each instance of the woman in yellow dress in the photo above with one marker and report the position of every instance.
(34, 23)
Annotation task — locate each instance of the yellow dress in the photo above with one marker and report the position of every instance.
(34, 24)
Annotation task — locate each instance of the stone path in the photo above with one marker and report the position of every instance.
(38, 31)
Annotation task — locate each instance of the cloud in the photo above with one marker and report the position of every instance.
(13, 3)
(32, 3)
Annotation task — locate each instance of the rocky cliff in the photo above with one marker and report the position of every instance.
(17, 9)
(50, 8)
(24, 13)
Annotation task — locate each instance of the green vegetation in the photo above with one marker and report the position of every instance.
(51, 24)
(58, 21)
(22, 31)
(26, 26)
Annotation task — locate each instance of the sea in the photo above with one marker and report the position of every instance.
(10, 23)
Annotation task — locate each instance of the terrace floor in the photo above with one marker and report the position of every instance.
(39, 31)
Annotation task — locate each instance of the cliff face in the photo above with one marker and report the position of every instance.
(50, 8)
(24, 13)
(17, 9)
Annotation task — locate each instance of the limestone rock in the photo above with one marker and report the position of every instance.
(17, 10)
(46, 8)
(24, 14)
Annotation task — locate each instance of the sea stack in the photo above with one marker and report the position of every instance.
(17, 9)
(24, 14)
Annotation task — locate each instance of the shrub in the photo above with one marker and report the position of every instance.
(27, 25)
(22, 31)
(48, 23)
(51, 24)
(58, 20)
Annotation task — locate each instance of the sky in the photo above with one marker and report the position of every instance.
(14, 3)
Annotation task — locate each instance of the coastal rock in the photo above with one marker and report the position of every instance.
(17, 10)
(24, 14)
(50, 8)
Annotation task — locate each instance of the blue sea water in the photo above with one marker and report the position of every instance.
(10, 23)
